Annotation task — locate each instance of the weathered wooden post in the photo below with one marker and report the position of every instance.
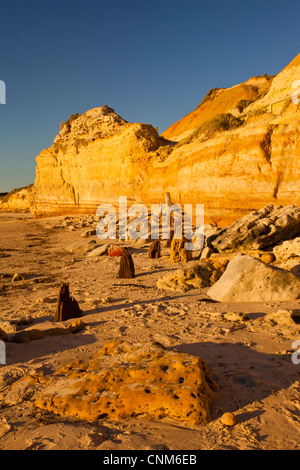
(154, 250)
(67, 307)
(126, 269)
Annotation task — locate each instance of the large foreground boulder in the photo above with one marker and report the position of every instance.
(247, 279)
(127, 380)
(259, 229)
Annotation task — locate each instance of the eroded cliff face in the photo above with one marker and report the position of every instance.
(94, 159)
(238, 151)
(247, 166)
(18, 200)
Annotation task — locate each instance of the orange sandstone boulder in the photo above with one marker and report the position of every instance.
(129, 380)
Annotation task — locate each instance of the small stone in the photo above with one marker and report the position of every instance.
(235, 316)
(105, 300)
(228, 419)
(99, 251)
(8, 327)
(268, 258)
(3, 335)
(4, 426)
(88, 233)
(206, 252)
(17, 277)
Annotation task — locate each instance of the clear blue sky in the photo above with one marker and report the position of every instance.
(152, 61)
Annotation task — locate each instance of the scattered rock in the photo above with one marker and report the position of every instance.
(48, 300)
(210, 232)
(67, 307)
(82, 247)
(8, 327)
(202, 274)
(127, 380)
(23, 320)
(206, 252)
(228, 419)
(89, 233)
(4, 426)
(283, 321)
(26, 336)
(260, 229)
(106, 300)
(288, 249)
(235, 316)
(17, 277)
(268, 258)
(3, 335)
(247, 279)
(99, 251)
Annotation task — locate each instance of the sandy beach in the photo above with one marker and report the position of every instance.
(250, 359)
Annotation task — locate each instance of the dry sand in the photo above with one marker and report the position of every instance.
(250, 360)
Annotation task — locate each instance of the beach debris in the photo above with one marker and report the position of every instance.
(116, 250)
(154, 250)
(126, 269)
(67, 307)
(169, 240)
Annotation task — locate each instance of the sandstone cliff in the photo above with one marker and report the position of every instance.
(237, 152)
(96, 157)
(18, 200)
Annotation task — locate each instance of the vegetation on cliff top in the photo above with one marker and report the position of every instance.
(68, 121)
(219, 123)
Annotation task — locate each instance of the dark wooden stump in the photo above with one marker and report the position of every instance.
(126, 270)
(154, 249)
(67, 307)
(169, 241)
